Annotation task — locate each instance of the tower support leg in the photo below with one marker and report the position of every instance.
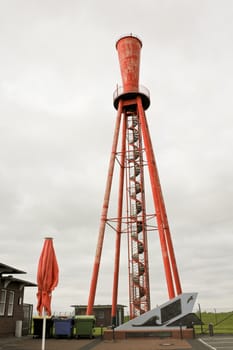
(118, 228)
(104, 213)
(163, 227)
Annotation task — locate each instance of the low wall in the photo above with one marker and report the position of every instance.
(186, 333)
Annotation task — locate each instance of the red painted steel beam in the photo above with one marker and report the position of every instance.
(156, 197)
(119, 221)
(104, 213)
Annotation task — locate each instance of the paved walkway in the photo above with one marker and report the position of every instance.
(28, 343)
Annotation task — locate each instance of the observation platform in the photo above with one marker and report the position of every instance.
(142, 91)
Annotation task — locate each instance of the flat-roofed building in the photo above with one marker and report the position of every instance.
(12, 306)
(102, 314)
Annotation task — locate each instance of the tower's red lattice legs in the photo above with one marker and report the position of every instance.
(134, 155)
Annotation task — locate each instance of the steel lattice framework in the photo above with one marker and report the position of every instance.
(134, 155)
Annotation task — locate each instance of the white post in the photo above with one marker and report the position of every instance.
(43, 330)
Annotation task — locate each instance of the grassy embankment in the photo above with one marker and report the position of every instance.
(222, 322)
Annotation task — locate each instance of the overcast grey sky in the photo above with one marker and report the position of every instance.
(58, 70)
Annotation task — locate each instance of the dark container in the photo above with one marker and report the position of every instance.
(84, 326)
(63, 327)
(38, 327)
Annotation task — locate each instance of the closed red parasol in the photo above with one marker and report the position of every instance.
(47, 277)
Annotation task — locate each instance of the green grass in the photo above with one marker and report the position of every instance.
(222, 322)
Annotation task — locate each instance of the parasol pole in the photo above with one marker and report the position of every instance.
(47, 280)
(43, 330)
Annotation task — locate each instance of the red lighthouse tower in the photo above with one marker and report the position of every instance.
(132, 151)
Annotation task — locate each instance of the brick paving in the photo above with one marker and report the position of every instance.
(29, 343)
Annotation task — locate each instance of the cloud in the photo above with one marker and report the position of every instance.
(59, 68)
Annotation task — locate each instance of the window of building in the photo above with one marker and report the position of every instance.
(2, 302)
(10, 303)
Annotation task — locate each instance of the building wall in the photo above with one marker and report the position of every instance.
(8, 322)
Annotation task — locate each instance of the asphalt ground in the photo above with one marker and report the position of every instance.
(218, 342)
(29, 343)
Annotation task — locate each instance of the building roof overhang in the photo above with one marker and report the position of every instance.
(6, 269)
(6, 280)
